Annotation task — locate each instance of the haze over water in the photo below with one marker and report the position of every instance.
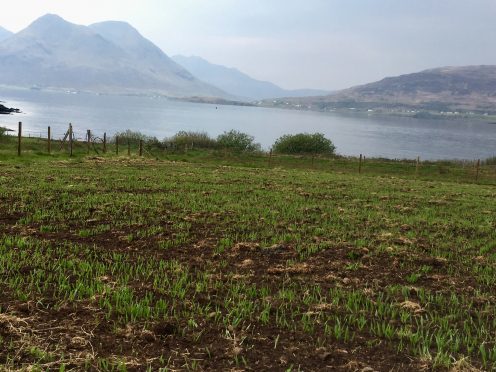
(390, 137)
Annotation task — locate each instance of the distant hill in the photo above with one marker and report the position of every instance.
(467, 88)
(236, 82)
(108, 57)
(4, 34)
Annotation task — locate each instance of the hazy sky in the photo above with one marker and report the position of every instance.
(326, 44)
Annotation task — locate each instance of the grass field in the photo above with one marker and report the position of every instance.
(196, 262)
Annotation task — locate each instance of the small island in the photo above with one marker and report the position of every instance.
(6, 111)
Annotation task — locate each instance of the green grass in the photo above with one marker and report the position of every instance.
(35, 149)
(112, 263)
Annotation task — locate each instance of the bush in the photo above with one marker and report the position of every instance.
(133, 136)
(304, 143)
(237, 141)
(197, 139)
(3, 131)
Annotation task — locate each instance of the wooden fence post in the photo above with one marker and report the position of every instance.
(116, 145)
(128, 147)
(478, 170)
(49, 141)
(417, 165)
(70, 139)
(104, 143)
(88, 135)
(270, 158)
(19, 136)
(360, 164)
(141, 148)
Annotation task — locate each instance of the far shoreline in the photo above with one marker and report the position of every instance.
(276, 103)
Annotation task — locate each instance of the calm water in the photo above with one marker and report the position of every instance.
(371, 136)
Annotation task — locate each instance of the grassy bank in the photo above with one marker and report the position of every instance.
(35, 150)
(214, 261)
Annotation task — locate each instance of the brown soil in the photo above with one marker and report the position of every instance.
(81, 332)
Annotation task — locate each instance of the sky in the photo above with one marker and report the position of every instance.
(324, 44)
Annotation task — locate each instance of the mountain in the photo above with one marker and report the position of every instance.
(129, 39)
(445, 89)
(52, 52)
(236, 82)
(4, 34)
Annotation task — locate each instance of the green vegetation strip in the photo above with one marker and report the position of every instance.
(117, 263)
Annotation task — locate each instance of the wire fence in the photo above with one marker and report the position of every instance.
(89, 142)
(55, 136)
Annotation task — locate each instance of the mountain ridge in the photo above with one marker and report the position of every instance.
(54, 53)
(442, 89)
(236, 82)
(4, 33)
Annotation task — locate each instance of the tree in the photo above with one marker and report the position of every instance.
(238, 141)
(304, 143)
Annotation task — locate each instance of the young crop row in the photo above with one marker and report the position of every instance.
(247, 258)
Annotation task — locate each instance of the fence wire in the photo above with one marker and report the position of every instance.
(100, 142)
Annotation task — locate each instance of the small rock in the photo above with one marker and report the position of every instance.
(367, 369)
(247, 263)
(212, 315)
